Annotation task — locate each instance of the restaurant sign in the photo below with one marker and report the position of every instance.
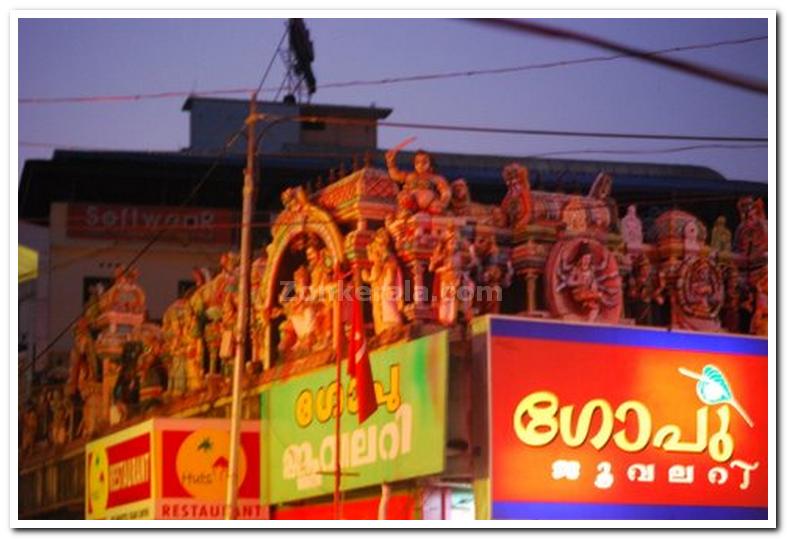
(171, 469)
(404, 438)
(602, 422)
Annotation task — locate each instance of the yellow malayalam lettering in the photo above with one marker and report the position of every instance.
(579, 435)
(644, 426)
(320, 404)
(538, 419)
(542, 428)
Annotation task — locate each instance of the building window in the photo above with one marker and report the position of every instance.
(89, 284)
(184, 287)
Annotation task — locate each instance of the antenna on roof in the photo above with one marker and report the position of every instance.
(299, 80)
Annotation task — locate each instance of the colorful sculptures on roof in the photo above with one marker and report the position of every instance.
(517, 205)
(423, 190)
(432, 258)
(583, 281)
(387, 284)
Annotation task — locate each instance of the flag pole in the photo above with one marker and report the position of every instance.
(337, 346)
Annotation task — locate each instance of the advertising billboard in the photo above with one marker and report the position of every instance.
(171, 469)
(404, 438)
(113, 221)
(118, 475)
(603, 422)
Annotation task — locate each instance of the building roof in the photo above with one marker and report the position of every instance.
(344, 111)
(168, 178)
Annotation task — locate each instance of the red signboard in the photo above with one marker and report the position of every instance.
(194, 466)
(119, 475)
(105, 221)
(400, 507)
(603, 422)
(172, 469)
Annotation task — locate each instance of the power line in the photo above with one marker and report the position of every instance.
(708, 73)
(270, 64)
(561, 133)
(384, 81)
(655, 151)
(619, 151)
(517, 131)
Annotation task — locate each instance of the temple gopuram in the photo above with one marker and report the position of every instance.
(435, 263)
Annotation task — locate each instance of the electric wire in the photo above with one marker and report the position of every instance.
(385, 80)
(270, 64)
(704, 72)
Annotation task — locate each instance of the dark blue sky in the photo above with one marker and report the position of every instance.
(75, 57)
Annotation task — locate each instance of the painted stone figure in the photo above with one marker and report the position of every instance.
(258, 318)
(691, 241)
(492, 273)
(461, 205)
(574, 215)
(720, 236)
(385, 278)
(604, 212)
(423, 190)
(210, 301)
(631, 228)
(698, 295)
(646, 286)
(751, 236)
(125, 295)
(455, 289)
(583, 282)
(517, 203)
(759, 320)
(306, 327)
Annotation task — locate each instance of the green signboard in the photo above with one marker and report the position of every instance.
(404, 438)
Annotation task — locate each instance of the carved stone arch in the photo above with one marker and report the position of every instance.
(299, 217)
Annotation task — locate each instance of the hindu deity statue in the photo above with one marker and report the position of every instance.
(150, 370)
(583, 281)
(759, 319)
(751, 236)
(604, 212)
(307, 324)
(720, 236)
(455, 290)
(461, 205)
(645, 287)
(517, 203)
(691, 233)
(125, 295)
(385, 278)
(29, 428)
(83, 354)
(258, 321)
(583, 284)
(631, 228)
(216, 310)
(61, 417)
(492, 273)
(574, 215)
(423, 190)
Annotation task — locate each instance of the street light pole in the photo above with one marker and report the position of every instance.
(243, 312)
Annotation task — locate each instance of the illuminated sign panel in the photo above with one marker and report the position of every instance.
(593, 422)
(404, 438)
(118, 471)
(171, 469)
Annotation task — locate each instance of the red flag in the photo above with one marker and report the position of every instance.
(358, 364)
